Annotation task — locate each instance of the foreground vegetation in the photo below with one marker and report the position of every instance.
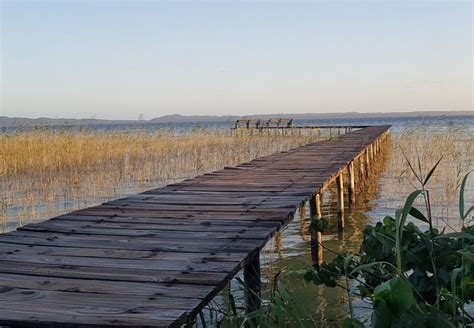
(412, 278)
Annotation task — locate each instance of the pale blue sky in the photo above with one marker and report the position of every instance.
(114, 60)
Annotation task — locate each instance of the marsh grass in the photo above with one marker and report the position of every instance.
(44, 173)
(423, 148)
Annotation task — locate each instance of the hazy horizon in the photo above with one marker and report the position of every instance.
(122, 60)
(323, 115)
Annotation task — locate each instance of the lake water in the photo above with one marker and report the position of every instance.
(398, 123)
(383, 193)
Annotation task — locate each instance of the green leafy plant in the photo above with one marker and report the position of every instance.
(412, 278)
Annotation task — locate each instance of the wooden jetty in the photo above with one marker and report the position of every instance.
(156, 258)
(285, 126)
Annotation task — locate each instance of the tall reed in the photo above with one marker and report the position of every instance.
(43, 173)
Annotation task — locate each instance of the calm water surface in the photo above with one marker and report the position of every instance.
(383, 193)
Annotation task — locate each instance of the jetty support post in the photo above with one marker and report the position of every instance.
(340, 202)
(316, 238)
(361, 169)
(252, 281)
(350, 169)
(302, 212)
(367, 161)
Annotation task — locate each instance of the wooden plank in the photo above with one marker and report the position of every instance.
(167, 223)
(116, 263)
(83, 306)
(103, 286)
(188, 277)
(251, 215)
(128, 243)
(191, 257)
(97, 229)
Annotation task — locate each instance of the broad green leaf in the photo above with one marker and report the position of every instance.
(397, 293)
(382, 316)
(409, 320)
(437, 319)
(467, 255)
(352, 323)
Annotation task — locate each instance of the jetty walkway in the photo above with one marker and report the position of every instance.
(155, 259)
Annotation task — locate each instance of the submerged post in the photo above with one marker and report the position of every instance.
(316, 238)
(350, 169)
(252, 285)
(340, 202)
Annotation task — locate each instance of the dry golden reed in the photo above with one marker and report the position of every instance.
(44, 173)
(423, 147)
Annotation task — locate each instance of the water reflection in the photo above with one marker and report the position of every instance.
(292, 250)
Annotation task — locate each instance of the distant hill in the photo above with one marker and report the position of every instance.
(46, 121)
(176, 118)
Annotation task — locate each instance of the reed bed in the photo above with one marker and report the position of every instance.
(45, 173)
(421, 149)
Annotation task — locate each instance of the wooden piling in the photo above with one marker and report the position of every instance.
(367, 161)
(252, 283)
(350, 169)
(302, 212)
(340, 202)
(361, 168)
(316, 238)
